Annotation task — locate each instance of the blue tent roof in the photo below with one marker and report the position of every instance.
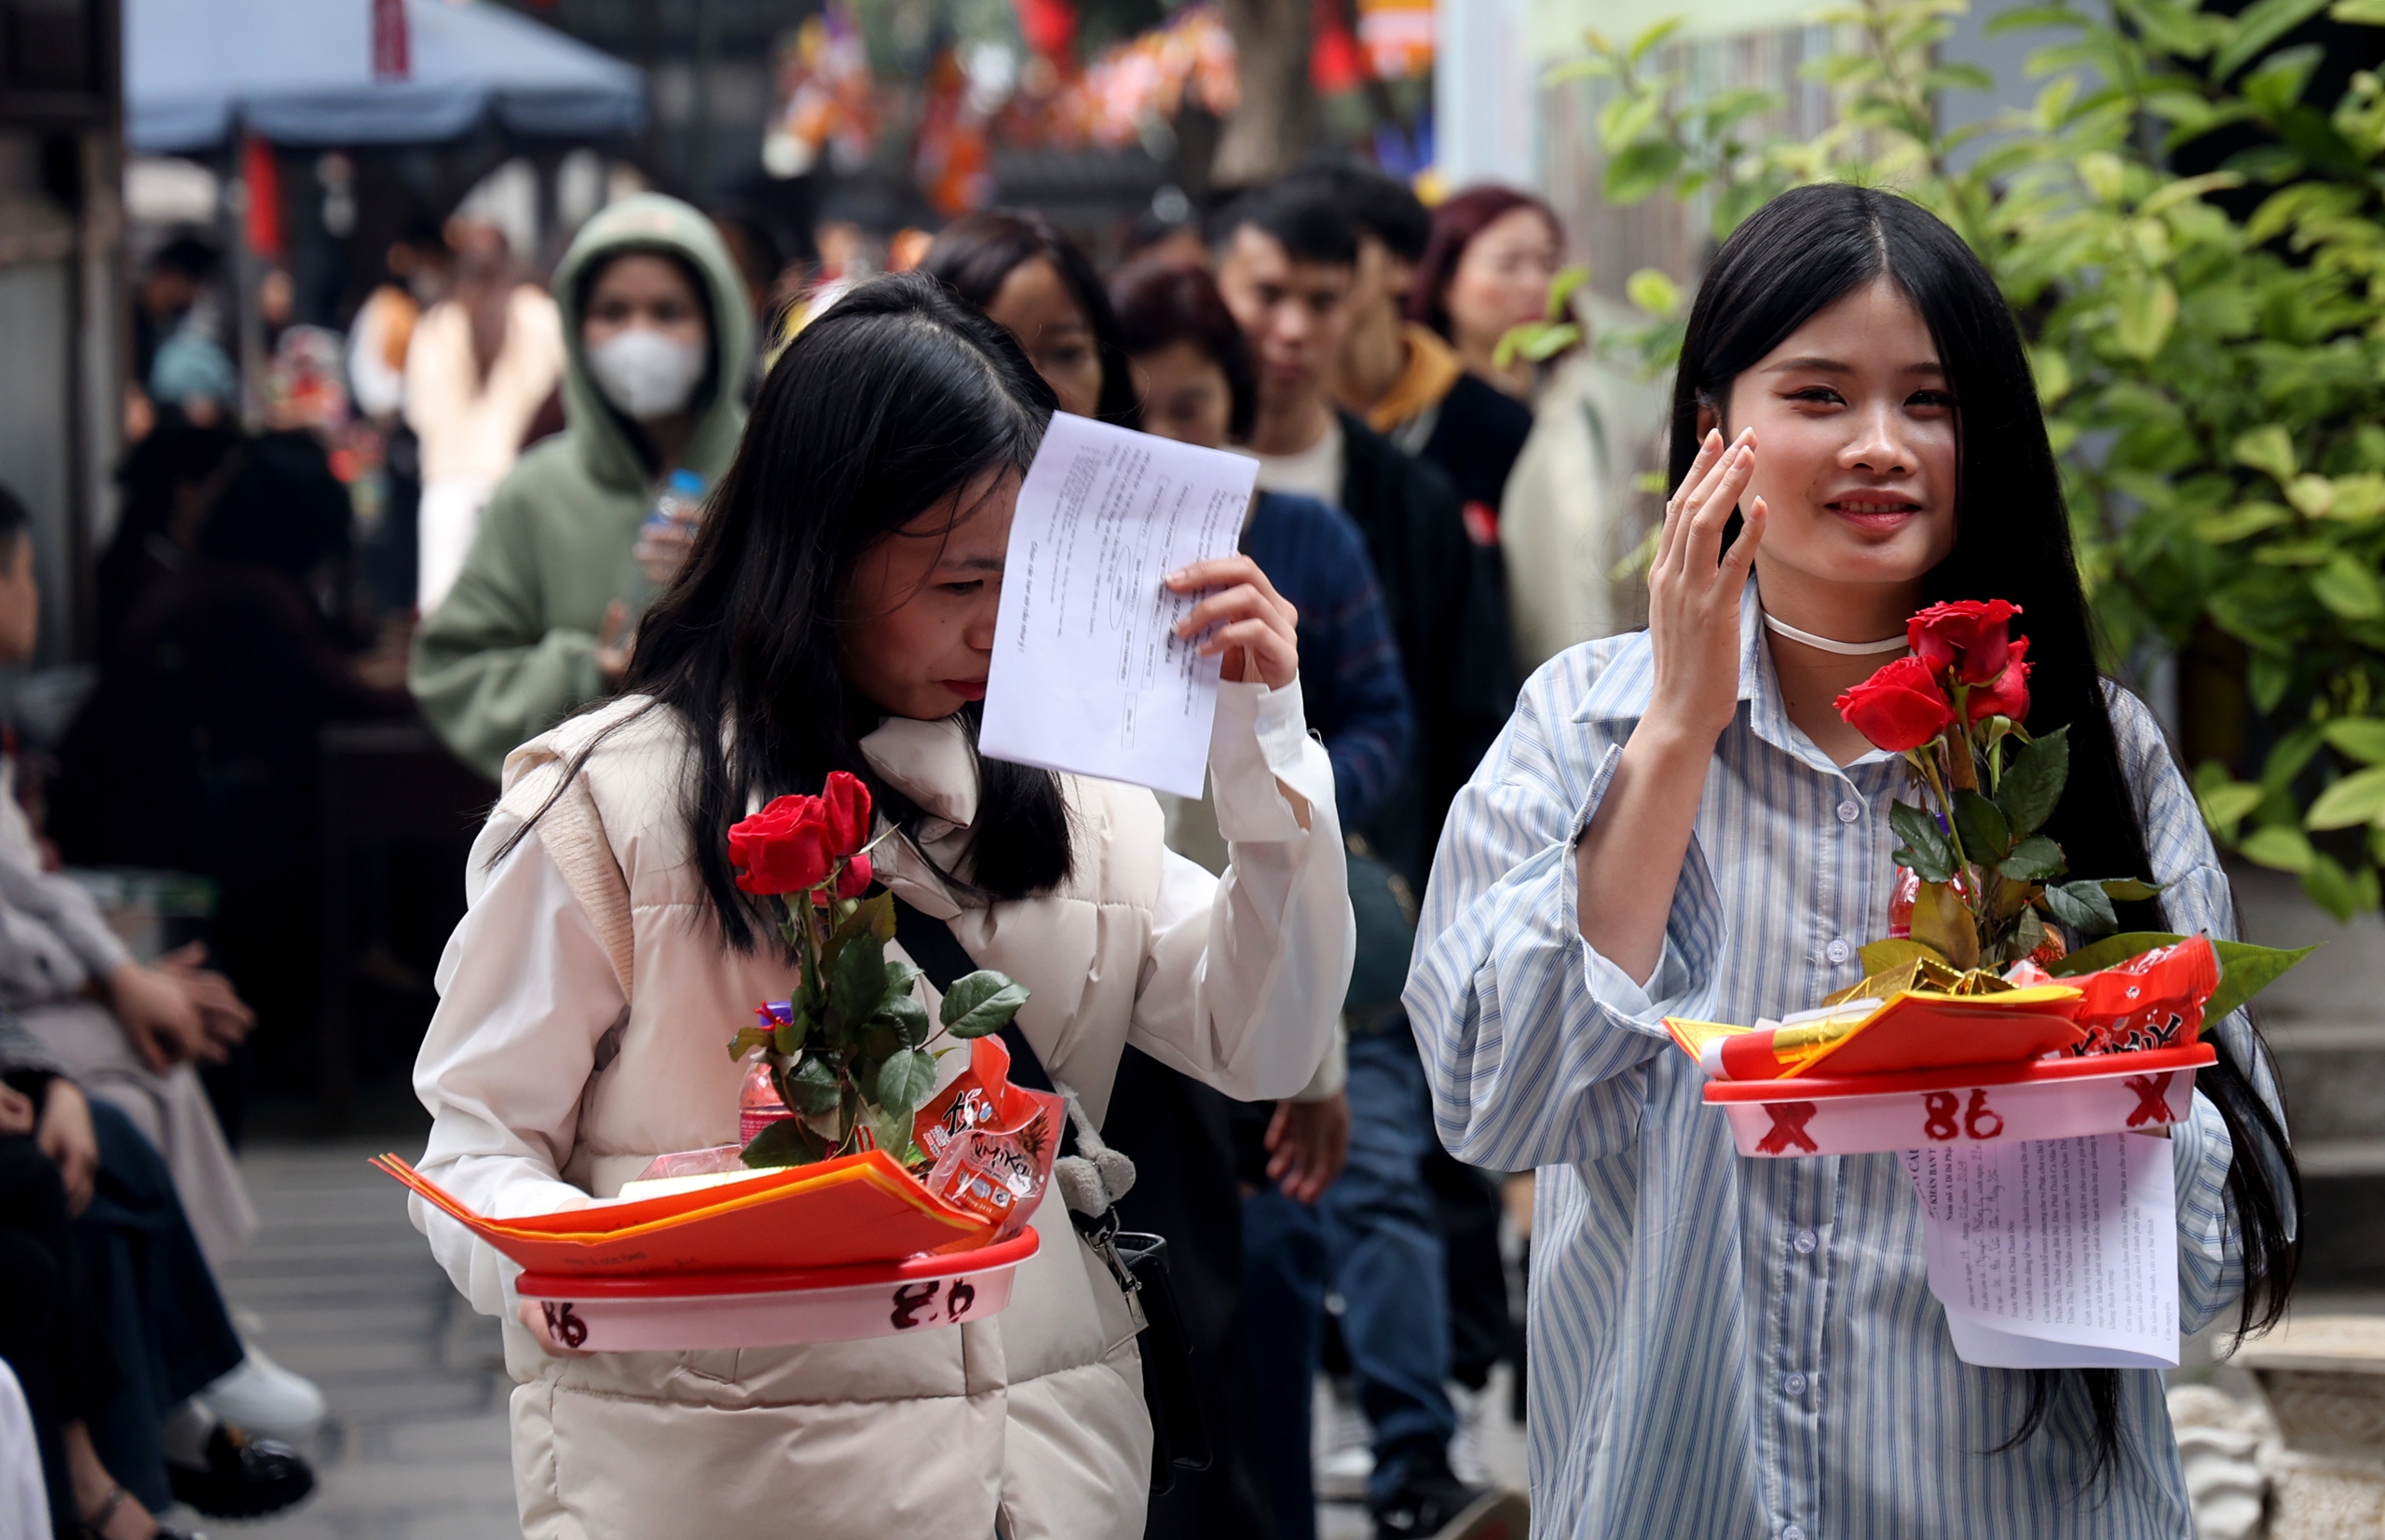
(300, 72)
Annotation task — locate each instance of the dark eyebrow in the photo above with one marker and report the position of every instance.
(1834, 366)
(970, 563)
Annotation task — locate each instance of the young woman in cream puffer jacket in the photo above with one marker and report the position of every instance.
(837, 613)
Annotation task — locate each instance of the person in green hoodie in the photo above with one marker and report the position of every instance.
(658, 334)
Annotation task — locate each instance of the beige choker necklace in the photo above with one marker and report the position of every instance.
(1845, 649)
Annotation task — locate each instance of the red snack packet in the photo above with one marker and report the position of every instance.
(992, 1144)
(2152, 1001)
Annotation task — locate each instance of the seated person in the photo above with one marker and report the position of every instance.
(129, 1032)
(111, 1322)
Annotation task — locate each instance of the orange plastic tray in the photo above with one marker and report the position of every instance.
(846, 1212)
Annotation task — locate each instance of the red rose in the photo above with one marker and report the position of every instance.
(785, 848)
(847, 803)
(854, 880)
(1968, 635)
(1898, 708)
(2009, 696)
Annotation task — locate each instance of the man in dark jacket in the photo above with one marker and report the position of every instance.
(1287, 262)
(1404, 379)
(1288, 267)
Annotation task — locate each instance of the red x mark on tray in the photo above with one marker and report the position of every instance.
(1789, 1128)
(2152, 1098)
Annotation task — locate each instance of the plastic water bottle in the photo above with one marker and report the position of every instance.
(757, 1103)
(682, 494)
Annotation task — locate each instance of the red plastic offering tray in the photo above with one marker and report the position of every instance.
(771, 1309)
(2044, 1098)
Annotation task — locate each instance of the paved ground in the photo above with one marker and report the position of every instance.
(416, 1449)
(349, 1296)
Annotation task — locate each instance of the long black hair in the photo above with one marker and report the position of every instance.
(976, 251)
(1796, 256)
(884, 409)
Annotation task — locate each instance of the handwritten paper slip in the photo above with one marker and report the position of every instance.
(1089, 676)
(2053, 1253)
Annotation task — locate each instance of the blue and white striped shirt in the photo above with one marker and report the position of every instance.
(1725, 1348)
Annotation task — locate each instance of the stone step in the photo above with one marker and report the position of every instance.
(2333, 1078)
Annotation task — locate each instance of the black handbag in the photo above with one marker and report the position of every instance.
(1139, 1259)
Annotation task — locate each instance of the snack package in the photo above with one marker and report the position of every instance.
(992, 1144)
(2152, 1001)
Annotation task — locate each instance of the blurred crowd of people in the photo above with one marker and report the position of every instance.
(461, 507)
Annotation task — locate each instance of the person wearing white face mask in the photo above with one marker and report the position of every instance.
(658, 335)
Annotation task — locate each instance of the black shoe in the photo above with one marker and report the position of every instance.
(245, 1477)
(1433, 1505)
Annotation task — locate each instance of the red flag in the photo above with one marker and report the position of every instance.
(262, 174)
(392, 57)
(1050, 28)
(1334, 62)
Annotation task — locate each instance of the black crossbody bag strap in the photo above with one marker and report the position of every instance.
(1180, 1433)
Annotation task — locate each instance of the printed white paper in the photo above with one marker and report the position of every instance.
(2053, 1253)
(1089, 676)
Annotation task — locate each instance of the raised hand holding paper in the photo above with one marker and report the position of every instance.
(1088, 675)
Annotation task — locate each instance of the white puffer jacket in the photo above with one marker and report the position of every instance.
(585, 1006)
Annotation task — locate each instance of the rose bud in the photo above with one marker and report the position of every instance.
(2009, 696)
(846, 801)
(854, 881)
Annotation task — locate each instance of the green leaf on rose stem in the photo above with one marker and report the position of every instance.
(747, 1040)
(981, 1002)
(907, 1017)
(1987, 839)
(900, 976)
(873, 916)
(812, 1085)
(1923, 841)
(2006, 899)
(2111, 950)
(1921, 865)
(2032, 785)
(2028, 933)
(858, 983)
(880, 1040)
(2033, 860)
(1943, 920)
(905, 1080)
(2128, 890)
(783, 1142)
(891, 1131)
(1895, 951)
(2083, 907)
(2244, 969)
